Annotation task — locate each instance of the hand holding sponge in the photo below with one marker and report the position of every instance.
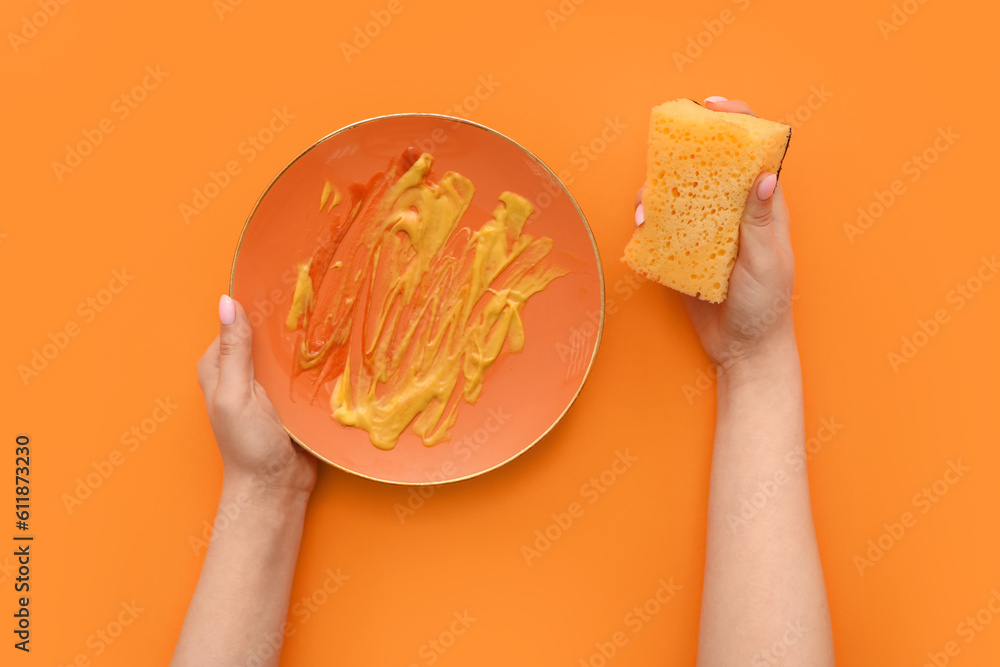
(700, 167)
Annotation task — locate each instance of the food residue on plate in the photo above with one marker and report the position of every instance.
(403, 307)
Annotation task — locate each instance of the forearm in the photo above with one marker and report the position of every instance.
(242, 594)
(764, 587)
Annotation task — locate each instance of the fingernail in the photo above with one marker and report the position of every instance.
(640, 215)
(766, 187)
(227, 310)
(716, 98)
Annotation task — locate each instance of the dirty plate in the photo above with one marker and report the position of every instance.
(524, 395)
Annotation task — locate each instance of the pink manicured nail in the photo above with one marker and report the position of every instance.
(716, 98)
(227, 310)
(640, 215)
(766, 187)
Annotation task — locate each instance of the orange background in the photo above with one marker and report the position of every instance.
(461, 551)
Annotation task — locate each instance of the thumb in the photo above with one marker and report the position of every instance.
(758, 207)
(757, 237)
(235, 358)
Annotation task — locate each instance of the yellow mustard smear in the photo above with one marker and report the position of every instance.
(302, 297)
(443, 316)
(329, 188)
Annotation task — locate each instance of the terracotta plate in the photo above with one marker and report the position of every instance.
(524, 394)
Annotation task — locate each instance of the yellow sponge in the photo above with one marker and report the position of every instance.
(699, 170)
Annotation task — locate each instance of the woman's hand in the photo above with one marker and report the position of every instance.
(756, 317)
(241, 602)
(256, 451)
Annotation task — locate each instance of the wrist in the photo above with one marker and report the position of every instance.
(253, 491)
(768, 360)
(256, 527)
